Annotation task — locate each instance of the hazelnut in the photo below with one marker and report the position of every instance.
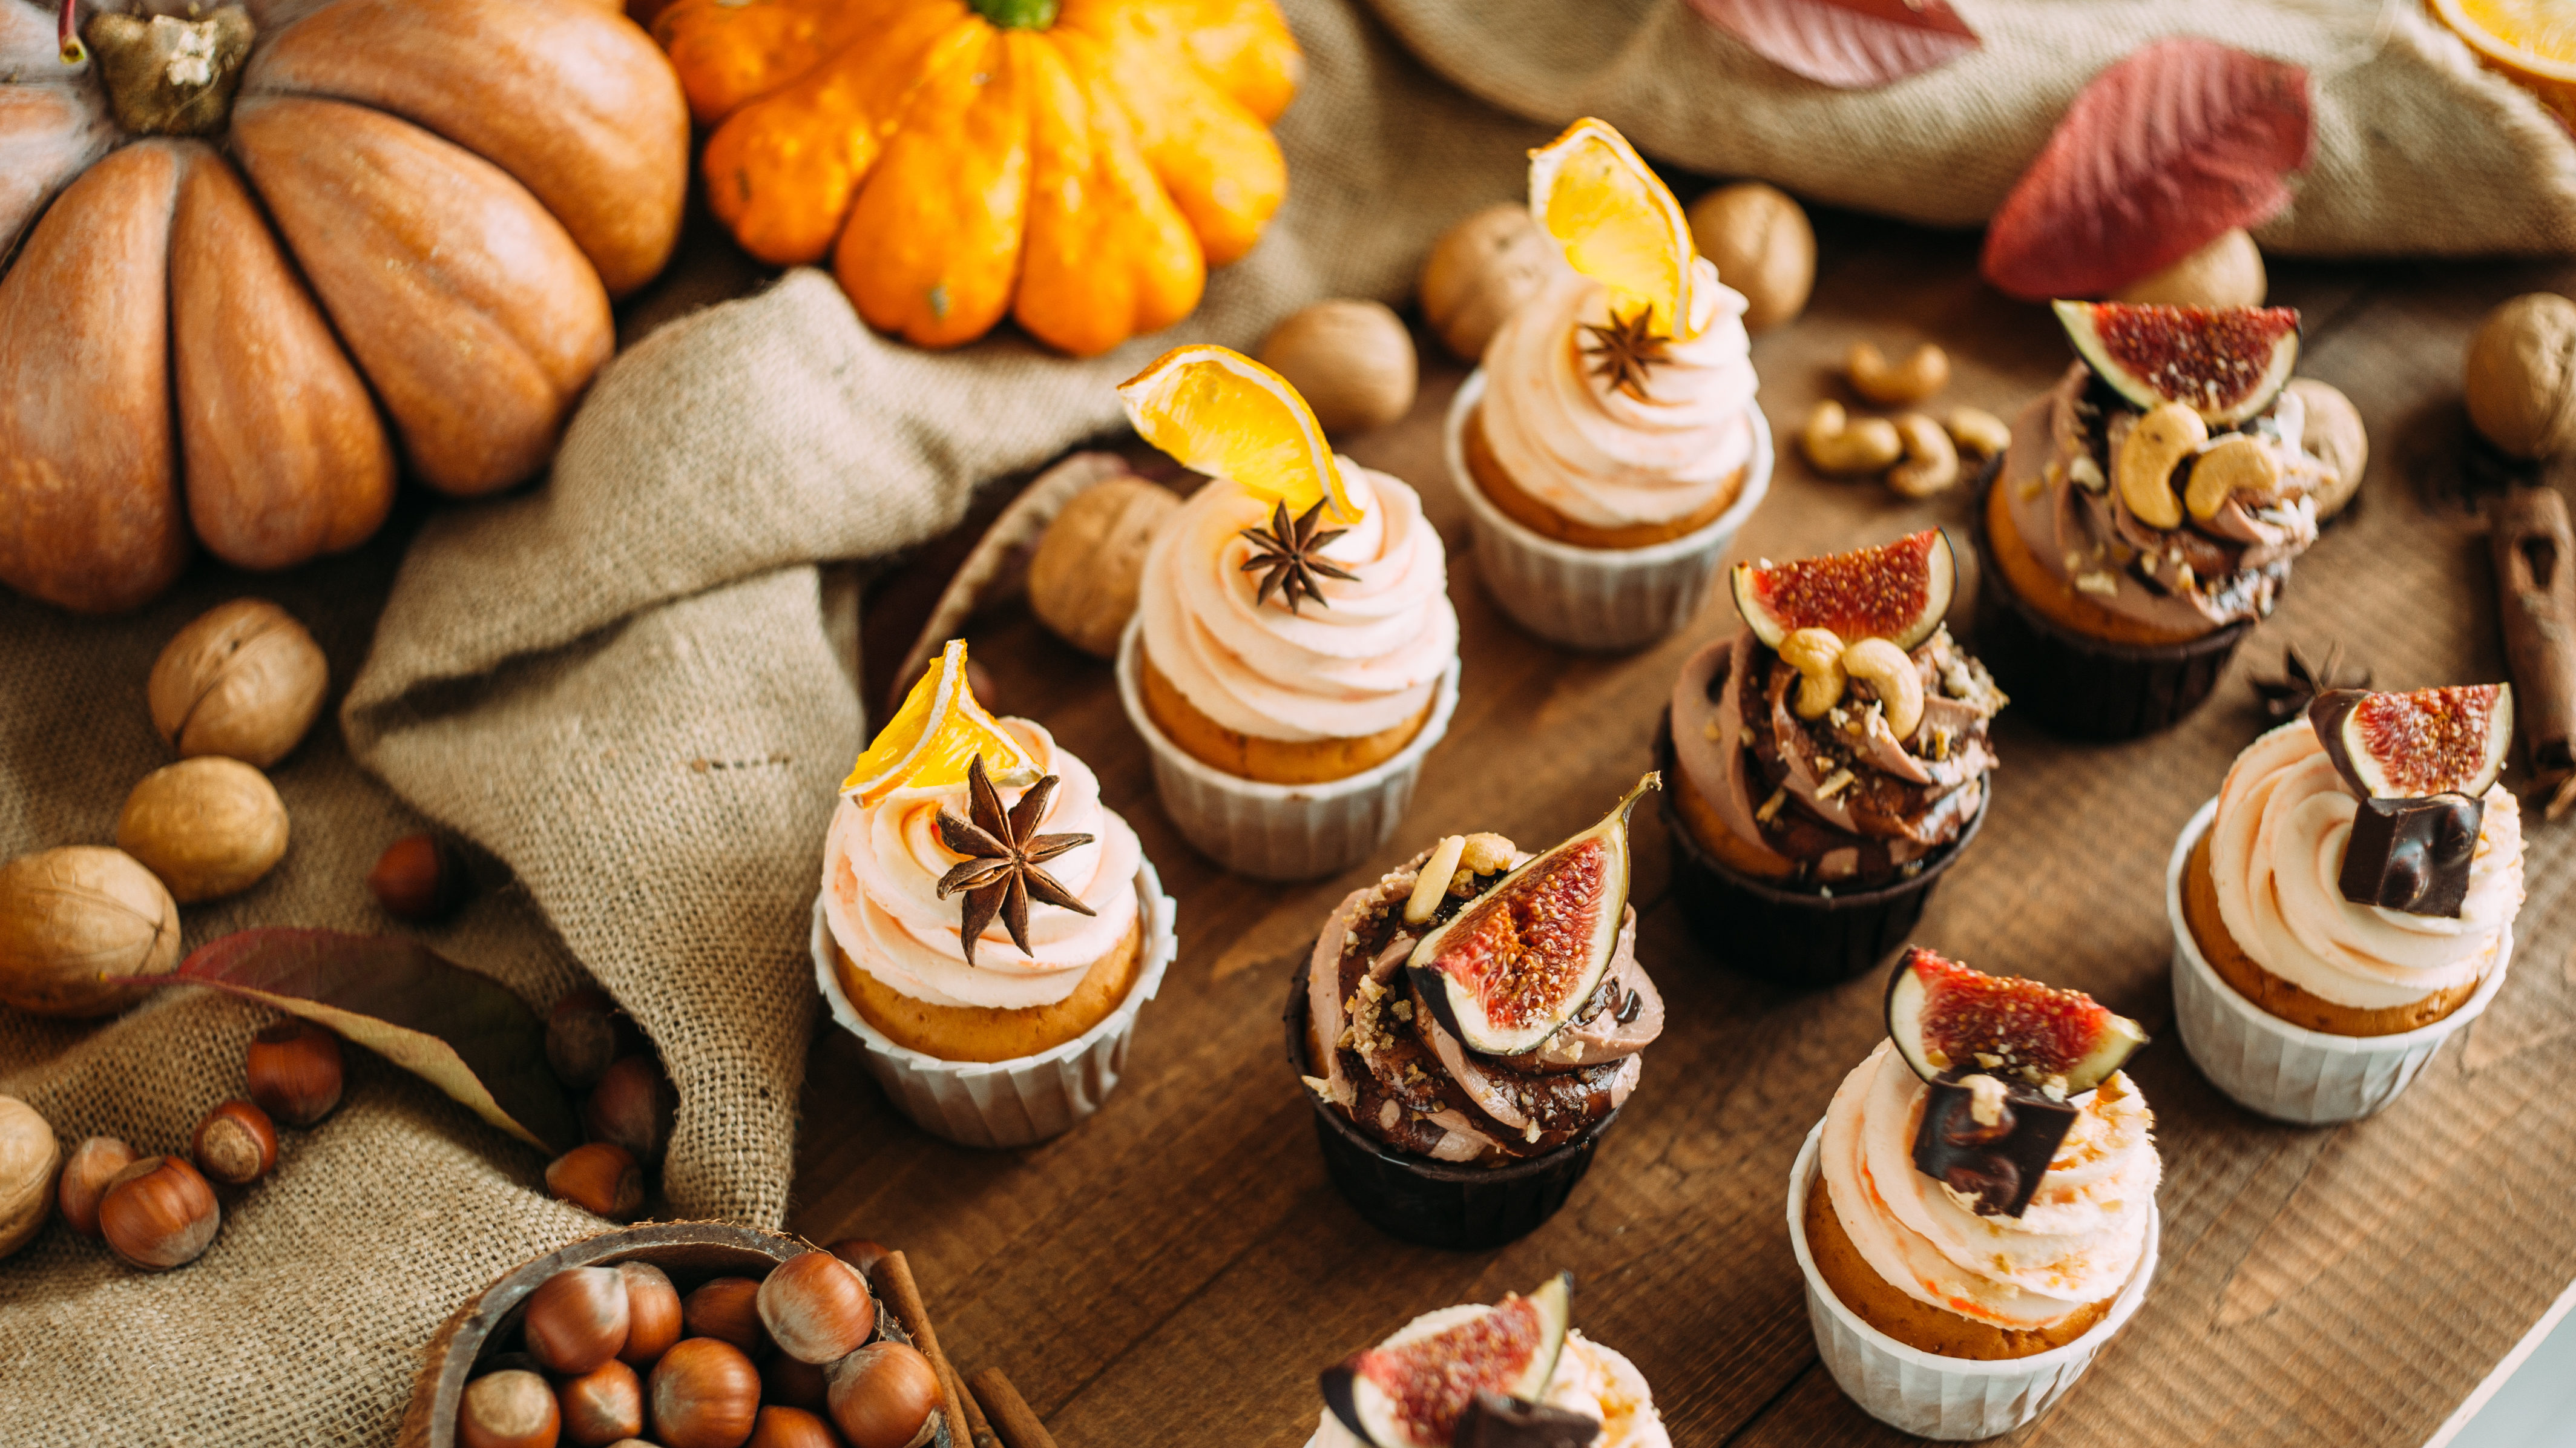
(599, 1177)
(1480, 271)
(2228, 272)
(294, 1071)
(30, 1160)
(84, 931)
(885, 1396)
(418, 877)
(727, 1309)
(1084, 576)
(633, 1106)
(245, 680)
(791, 1427)
(235, 1144)
(507, 1409)
(652, 1314)
(583, 1037)
(1758, 238)
(816, 1307)
(797, 1384)
(158, 1213)
(92, 1165)
(208, 827)
(576, 1319)
(2521, 376)
(705, 1395)
(602, 1406)
(859, 1252)
(1351, 360)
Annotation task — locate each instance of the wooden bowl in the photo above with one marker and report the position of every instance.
(690, 1252)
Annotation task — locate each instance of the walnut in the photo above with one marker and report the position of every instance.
(2522, 376)
(245, 680)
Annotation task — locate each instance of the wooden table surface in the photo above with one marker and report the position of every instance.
(1178, 1269)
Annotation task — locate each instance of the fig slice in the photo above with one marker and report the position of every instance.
(2415, 745)
(1949, 1021)
(1514, 966)
(1411, 1390)
(2225, 363)
(1896, 591)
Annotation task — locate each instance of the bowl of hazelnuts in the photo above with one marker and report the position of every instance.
(689, 1335)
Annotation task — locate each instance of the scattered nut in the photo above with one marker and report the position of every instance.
(208, 826)
(2521, 376)
(1931, 464)
(582, 1037)
(1925, 370)
(598, 1177)
(706, 1394)
(633, 1106)
(2234, 464)
(158, 1213)
(1479, 273)
(92, 1165)
(817, 1307)
(235, 1144)
(2228, 272)
(1978, 431)
(2142, 468)
(84, 931)
(1817, 655)
(1351, 360)
(577, 1319)
(294, 1071)
(1838, 443)
(2335, 435)
(883, 1395)
(1759, 240)
(418, 877)
(652, 1314)
(509, 1409)
(243, 680)
(1084, 575)
(1883, 666)
(30, 1163)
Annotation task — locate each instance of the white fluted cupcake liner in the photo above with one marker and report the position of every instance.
(2286, 1071)
(1280, 831)
(1923, 1393)
(1602, 599)
(1026, 1099)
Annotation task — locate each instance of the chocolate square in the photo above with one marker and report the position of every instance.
(2412, 854)
(2000, 1166)
(1495, 1421)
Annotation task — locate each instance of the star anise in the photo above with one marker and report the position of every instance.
(1293, 552)
(1001, 869)
(2287, 694)
(1627, 351)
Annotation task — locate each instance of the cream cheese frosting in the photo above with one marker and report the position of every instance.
(2079, 1241)
(2276, 850)
(1590, 1379)
(1594, 453)
(881, 869)
(1367, 662)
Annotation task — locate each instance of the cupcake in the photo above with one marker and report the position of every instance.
(2348, 899)
(1513, 1375)
(1976, 1213)
(1467, 1026)
(1829, 760)
(986, 925)
(1294, 652)
(2147, 512)
(1609, 447)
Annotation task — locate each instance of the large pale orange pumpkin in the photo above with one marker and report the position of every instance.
(1077, 167)
(254, 257)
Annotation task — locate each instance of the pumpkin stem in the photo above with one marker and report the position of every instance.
(68, 36)
(1018, 14)
(171, 77)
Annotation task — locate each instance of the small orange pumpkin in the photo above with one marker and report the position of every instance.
(1075, 165)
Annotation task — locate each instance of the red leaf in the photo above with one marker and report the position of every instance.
(1848, 44)
(465, 1033)
(2182, 140)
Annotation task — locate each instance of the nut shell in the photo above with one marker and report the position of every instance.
(1759, 239)
(294, 1071)
(1351, 360)
(2228, 272)
(705, 1394)
(728, 1310)
(816, 1307)
(600, 1178)
(84, 931)
(602, 1406)
(158, 1213)
(418, 877)
(633, 1106)
(235, 1144)
(1480, 271)
(91, 1166)
(1084, 576)
(788, 1426)
(512, 1408)
(652, 1314)
(883, 1395)
(209, 827)
(576, 1319)
(31, 1163)
(2521, 377)
(244, 680)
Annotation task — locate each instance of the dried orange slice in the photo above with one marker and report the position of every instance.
(1617, 222)
(2531, 41)
(935, 735)
(1221, 413)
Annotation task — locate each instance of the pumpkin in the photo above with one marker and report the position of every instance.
(1077, 167)
(255, 257)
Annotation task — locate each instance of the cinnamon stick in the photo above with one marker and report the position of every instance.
(1019, 1427)
(978, 1426)
(2535, 566)
(894, 1282)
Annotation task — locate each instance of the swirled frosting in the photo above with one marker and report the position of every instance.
(1590, 1379)
(1366, 663)
(2275, 852)
(1594, 453)
(2076, 1244)
(881, 869)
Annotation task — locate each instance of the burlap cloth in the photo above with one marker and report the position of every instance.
(632, 688)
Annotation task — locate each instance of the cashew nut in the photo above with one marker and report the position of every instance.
(1931, 464)
(1817, 655)
(2237, 464)
(1837, 443)
(1923, 373)
(1886, 668)
(2143, 468)
(1979, 431)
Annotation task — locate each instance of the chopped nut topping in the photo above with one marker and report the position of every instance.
(1771, 806)
(1985, 1099)
(2105, 584)
(1989, 1059)
(1835, 783)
